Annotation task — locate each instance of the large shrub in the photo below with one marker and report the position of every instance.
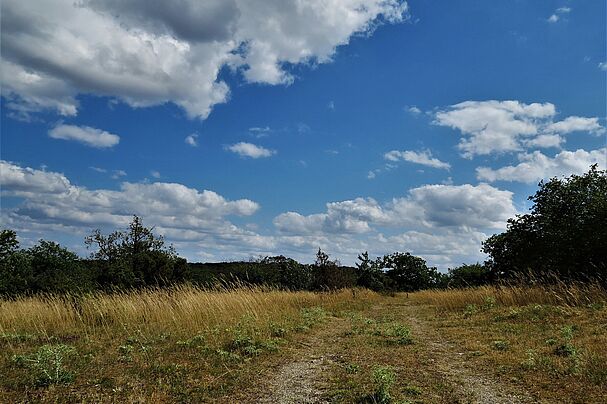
(565, 233)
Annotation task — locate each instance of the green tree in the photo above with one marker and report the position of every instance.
(135, 257)
(408, 272)
(565, 232)
(369, 273)
(56, 269)
(467, 275)
(16, 275)
(328, 275)
(289, 273)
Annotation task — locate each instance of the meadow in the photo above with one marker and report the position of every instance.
(255, 344)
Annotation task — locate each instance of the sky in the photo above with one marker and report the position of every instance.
(240, 129)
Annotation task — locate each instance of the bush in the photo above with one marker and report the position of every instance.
(565, 233)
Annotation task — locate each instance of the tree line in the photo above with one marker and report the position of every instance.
(564, 236)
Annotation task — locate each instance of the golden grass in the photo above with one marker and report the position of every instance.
(179, 310)
(559, 294)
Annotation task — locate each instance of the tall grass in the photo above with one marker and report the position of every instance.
(179, 310)
(559, 293)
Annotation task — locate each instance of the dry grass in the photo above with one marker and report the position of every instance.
(180, 310)
(183, 343)
(558, 294)
(549, 339)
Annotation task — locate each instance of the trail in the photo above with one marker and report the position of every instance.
(303, 378)
(304, 372)
(449, 361)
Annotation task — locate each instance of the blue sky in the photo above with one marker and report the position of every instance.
(240, 129)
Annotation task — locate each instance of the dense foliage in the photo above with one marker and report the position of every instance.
(565, 233)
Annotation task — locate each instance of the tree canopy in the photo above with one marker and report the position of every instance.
(565, 233)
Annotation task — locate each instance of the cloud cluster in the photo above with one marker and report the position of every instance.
(423, 157)
(509, 126)
(86, 135)
(426, 207)
(151, 52)
(536, 166)
(51, 201)
(453, 217)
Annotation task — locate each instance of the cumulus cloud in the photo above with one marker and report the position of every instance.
(52, 202)
(537, 166)
(423, 157)
(577, 124)
(427, 207)
(86, 135)
(245, 149)
(148, 53)
(25, 181)
(442, 223)
(509, 126)
(192, 140)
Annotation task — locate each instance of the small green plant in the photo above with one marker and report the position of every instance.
(401, 334)
(489, 303)
(125, 352)
(500, 345)
(384, 378)
(47, 363)
(277, 331)
(530, 361)
(413, 390)
(470, 310)
(352, 368)
(313, 315)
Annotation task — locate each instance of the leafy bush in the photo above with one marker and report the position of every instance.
(564, 234)
(47, 363)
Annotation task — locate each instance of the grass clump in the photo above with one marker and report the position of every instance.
(383, 379)
(47, 364)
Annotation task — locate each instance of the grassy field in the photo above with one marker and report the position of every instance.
(526, 344)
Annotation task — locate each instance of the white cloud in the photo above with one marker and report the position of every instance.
(537, 166)
(86, 135)
(427, 207)
(413, 110)
(98, 169)
(603, 66)
(558, 13)
(577, 124)
(52, 203)
(192, 140)
(442, 223)
(116, 174)
(155, 174)
(23, 181)
(260, 131)
(445, 224)
(508, 126)
(245, 149)
(423, 157)
(545, 141)
(146, 53)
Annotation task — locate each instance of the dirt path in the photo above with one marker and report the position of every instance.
(305, 371)
(450, 362)
(302, 376)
